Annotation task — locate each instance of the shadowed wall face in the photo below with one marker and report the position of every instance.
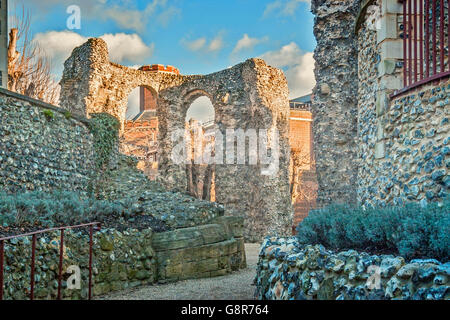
(335, 107)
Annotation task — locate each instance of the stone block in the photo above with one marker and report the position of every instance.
(386, 67)
(213, 233)
(234, 224)
(207, 265)
(379, 150)
(391, 49)
(173, 271)
(190, 263)
(178, 239)
(380, 129)
(388, 28)
(382, 103)
(390, 82)
(391, 6)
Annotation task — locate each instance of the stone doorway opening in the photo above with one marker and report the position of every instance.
(139, 137)
(200, 129)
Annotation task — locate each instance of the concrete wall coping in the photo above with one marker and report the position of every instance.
(42, 104)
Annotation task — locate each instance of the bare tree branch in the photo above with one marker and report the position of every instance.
(29, 69)
(301, 190)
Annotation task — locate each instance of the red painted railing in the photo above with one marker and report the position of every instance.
(33, 236)
(426, 38)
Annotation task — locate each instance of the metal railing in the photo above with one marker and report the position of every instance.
(426, 38)
(303, 106)
(34, 235)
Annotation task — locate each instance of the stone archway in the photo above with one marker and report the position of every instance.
(92, 84)
(143, 100)
(250, 97)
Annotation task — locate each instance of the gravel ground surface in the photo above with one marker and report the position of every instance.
(235, 286)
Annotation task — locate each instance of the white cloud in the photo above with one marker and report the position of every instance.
(195, 45)
(137, 20)
(202, 45)
(216, 44)
(130, 19)
(127, 47)
(124, 12)
(58, 45)
(167, 15)
(283, 7)
(297, 65)
(247, 43)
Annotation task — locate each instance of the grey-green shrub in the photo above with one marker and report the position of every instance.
(411, 231)
(58, 208)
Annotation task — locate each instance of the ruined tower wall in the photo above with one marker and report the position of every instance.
(335, 100)
(403, 140)
(368, 90)
(250, 95)
(390, 148)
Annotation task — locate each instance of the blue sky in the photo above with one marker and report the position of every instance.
(171, 28)
(197, 36)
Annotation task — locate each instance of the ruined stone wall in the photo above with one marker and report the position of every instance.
(92, 84)
(250, 95)
(335, 100)
(42, 147)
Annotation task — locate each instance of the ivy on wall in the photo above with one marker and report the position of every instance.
(105, 129)
(48, 114)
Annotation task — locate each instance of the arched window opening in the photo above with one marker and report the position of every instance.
(133, 104)
(200, 127)
(139, 137)
(142, 103)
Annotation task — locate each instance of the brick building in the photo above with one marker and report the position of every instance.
(140, 134)
(303, 171)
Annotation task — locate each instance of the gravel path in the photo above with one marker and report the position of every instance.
(236, 286)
